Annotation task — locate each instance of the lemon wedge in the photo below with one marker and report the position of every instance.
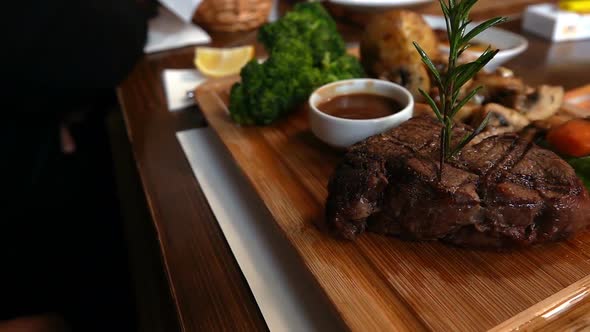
(579, 6)
(219, 62)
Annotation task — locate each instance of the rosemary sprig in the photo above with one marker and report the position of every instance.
(456, 13)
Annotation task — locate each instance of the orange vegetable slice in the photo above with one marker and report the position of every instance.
(571, 138)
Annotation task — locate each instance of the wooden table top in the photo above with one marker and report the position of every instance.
(208, 288)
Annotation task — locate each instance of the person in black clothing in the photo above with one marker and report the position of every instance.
(59, 236)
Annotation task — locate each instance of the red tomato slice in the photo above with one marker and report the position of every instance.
(571, 138)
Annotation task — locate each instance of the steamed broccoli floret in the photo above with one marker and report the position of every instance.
(306, 52)
(273, 88)
(238, 108)
(310, 23)
(342, 68)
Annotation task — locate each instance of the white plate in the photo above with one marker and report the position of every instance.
(509, 43)
(376, 5)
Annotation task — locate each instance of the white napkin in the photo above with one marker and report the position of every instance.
(167, 31)
(286, 294)
(177, 82)
(184, 9)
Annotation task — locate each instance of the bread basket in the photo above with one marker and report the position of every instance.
(232, 15)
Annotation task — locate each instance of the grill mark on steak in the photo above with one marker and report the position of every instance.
(508, 161)
(502, 191)
(499, 172)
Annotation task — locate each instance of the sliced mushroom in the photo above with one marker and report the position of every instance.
(496, 80)
(466, 112)
(504, 90)
(542, 103)
(504, 72)
(502, 120)
(502, 117)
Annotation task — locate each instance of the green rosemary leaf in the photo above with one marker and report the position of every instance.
(483, 124)
(465, 72)
(466, 6)
(464, 26)
(463, 49)
(465, 100)
(428, 63)
(447, 16)
(454, 98)
(432, 104)
(467, 138)
(468, 70)
(466, 76)
(448, 23)
(481, 27)
(443, 104)
(444, 8)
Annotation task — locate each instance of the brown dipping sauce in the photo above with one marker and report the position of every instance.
(360, 106)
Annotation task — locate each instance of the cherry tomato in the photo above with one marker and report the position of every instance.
(571, 138)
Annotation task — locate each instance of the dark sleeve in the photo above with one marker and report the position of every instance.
(65, 51)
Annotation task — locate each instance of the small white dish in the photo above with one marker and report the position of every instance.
(341, 132)
(376, 5)
(509, 44)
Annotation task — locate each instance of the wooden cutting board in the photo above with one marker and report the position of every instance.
(382, 283)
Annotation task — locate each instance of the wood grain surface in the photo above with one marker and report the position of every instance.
(567, 310)
(210, 293)
(207, 286)
(378, 282)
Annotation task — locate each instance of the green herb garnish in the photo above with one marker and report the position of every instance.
(456, 15)
(582, 168)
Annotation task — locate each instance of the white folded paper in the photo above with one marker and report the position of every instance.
(177, 82)
(184, 9)
(166, 31)
(285, 292)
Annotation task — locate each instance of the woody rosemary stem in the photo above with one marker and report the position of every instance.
(442, 155)
(447, 106)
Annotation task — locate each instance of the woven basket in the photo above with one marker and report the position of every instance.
(232, 15)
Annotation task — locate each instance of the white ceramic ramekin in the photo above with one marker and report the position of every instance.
(342, 133)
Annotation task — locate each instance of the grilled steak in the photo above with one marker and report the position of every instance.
(503, 191)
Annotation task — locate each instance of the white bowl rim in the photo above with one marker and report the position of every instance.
(520, 42)
(408, 106)
(521, 45)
